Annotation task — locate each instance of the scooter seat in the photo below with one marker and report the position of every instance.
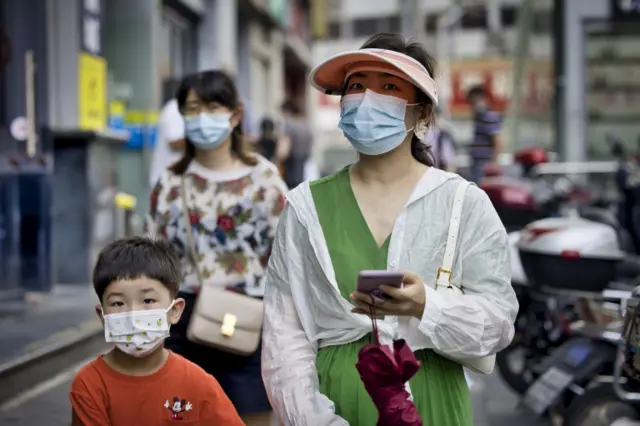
(606, 217)
(629, 267)
(599, 215)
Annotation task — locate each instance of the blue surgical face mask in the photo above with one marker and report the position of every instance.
(373, 123)
(208, 130)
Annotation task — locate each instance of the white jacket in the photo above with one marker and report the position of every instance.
(304, 309)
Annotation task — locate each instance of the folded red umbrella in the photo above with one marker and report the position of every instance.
(384, 374)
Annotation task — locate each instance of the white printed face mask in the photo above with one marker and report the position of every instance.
(137, 333)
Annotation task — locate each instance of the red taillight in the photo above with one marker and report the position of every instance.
(570, 254)
(535, 233)
(565, 324)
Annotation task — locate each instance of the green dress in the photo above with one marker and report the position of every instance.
(439, 389)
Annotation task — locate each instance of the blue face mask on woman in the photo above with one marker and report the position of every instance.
(208, 130)
(373, 123)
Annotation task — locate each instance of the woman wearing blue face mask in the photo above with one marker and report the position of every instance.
(219, 204)
(393, 211)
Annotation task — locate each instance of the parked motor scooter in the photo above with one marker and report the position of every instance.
(586, 360)
(542, 321)
(573, 253)
(616, 403)
(595, 240)
(563, 259)
(519, 200)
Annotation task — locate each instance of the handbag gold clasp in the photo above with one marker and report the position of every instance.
(228, 325)
(444, 271)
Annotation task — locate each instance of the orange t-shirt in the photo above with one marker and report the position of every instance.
(180, 392)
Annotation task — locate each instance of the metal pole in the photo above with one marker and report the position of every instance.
(443, 40)
(522, 54)
(30, 92)
(559, 47)
(409, 12)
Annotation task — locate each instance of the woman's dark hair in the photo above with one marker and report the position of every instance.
(415, 50)
(212, 86)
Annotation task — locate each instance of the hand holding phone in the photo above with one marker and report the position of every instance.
(409, 294)
(369, 282)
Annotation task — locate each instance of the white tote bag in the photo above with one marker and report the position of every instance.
(484, 364)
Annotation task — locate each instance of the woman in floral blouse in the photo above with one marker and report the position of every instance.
(234, 200)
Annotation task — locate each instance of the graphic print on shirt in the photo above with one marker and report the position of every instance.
(177, 407)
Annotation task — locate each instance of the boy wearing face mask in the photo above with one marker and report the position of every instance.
(138, 381)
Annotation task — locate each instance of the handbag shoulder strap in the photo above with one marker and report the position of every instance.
(445, 273)
(191, 247)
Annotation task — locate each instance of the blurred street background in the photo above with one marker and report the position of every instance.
(83, 83)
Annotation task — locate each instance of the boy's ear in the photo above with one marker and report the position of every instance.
(174, 314)
(98, 309)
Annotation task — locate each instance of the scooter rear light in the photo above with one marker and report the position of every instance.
(570, 254)
(565, 324)
(535, 233)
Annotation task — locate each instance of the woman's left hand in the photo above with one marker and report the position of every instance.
(408, 301)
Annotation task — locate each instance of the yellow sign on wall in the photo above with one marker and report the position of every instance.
(92, 92)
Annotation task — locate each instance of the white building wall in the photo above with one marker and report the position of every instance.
(218, 36)
(356, 9)
(276, 78)
(266, 86)
(253, 54)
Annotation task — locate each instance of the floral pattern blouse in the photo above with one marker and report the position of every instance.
(233, 217)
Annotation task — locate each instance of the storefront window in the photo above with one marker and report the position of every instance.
(612, 88)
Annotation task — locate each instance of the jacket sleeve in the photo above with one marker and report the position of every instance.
(288, 357)
(480, 321)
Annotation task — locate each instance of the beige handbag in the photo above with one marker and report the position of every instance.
(221, 319)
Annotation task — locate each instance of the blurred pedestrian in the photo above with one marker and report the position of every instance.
(219, 206)
(442, 144)
(390, 211)
(297, 130)
(170, 143)
(486, 145)
(138, 381)
(270, 145)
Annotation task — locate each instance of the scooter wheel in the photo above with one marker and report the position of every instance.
(517, 379)
(598, 406)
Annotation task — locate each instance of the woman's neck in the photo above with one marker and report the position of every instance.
(388, 168)
(219, 159)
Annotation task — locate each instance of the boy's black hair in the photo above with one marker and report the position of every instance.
(136, 257)
(476, 92)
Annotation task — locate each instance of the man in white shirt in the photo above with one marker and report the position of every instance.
(170, 143)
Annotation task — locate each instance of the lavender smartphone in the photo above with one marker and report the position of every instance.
(369, 281)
